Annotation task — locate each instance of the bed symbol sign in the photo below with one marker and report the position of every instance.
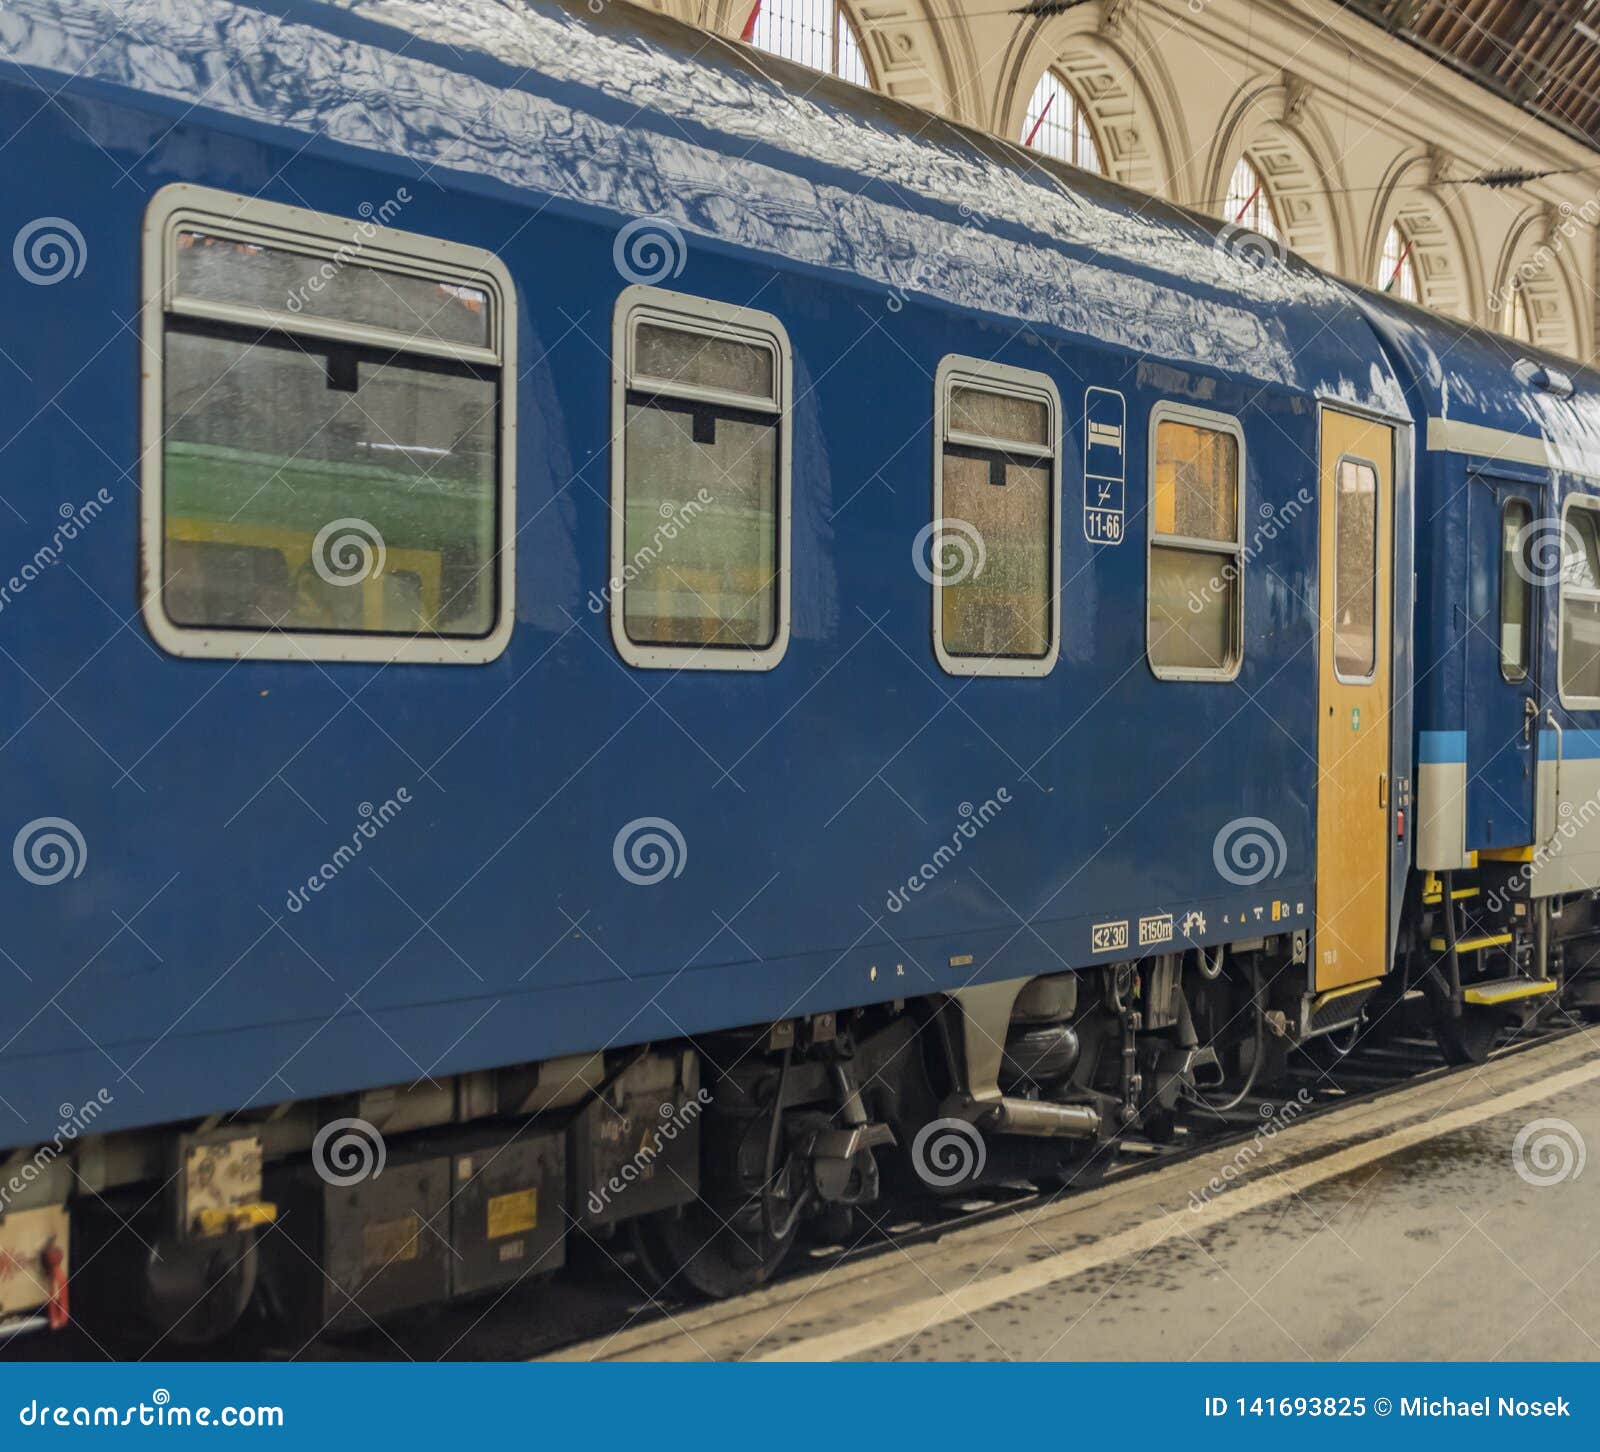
(1105, 467)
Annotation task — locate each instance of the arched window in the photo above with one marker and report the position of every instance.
(817, 33)
(1518, 319)
(1249, 204)
(1057, 125)
(1397, 272)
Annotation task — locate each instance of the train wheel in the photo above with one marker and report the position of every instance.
(1469, 1039)
(698, 1253)
(199, 1293)
(138, 1285)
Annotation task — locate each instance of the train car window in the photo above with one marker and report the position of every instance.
(1516, 590)
(700, 484)
(1355, 570)
(1579, 664)
(992, 553)
(215, 268)
(330, 476)
(1194, 624)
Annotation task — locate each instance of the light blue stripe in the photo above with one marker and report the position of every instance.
(1437, 748)
(1575, 745)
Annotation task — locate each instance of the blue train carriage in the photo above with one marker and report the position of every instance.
(1010, 737)
(1502, 918)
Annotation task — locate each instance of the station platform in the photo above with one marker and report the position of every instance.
(1445, 1221)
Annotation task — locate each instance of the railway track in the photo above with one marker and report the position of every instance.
(601, 1292)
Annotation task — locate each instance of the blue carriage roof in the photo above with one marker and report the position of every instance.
(640, 115)
(1485, 394)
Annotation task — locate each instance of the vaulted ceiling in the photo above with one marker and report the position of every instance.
(1544, 55)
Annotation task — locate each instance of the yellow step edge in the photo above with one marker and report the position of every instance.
(1335, 993)
(1509, 991)
(1471, 945)
(1433, 899)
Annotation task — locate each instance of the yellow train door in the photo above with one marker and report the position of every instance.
(1353, 697)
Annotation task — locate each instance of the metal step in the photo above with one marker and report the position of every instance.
(1471, 945)
(1508, 990)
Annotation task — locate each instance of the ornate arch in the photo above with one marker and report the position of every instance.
(912, 58)
(1275, 124)
(1538, 251)
(1443, 244)
(1131, 109)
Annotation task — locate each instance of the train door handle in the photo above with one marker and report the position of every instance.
(1530, 714)
(1383, 789)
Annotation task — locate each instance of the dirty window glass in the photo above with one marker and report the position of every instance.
(1197, 482)
(992, 551)
(701, 527)
(1516, 590)
(703, 360)
(1000, 416)
(1580, 550)
(702, 493)
(221, 269)
(1194, 620)
(999, 605)
(1355, 570)
(1580, 605)
(319, 487)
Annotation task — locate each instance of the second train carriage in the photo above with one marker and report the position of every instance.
(840, 629)
(1507, 851)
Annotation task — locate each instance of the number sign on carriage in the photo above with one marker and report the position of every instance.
(1105, 469)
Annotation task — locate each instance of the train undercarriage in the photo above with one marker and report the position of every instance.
(709, 1161)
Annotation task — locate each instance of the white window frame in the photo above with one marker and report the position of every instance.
(337, 241)
(1590, 502)
(641, 303)
(956, 370)
(1377, 556)
(1222, 423)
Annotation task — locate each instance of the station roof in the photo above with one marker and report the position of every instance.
(1542, 55)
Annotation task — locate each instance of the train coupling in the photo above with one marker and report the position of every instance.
(1009, 1114)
